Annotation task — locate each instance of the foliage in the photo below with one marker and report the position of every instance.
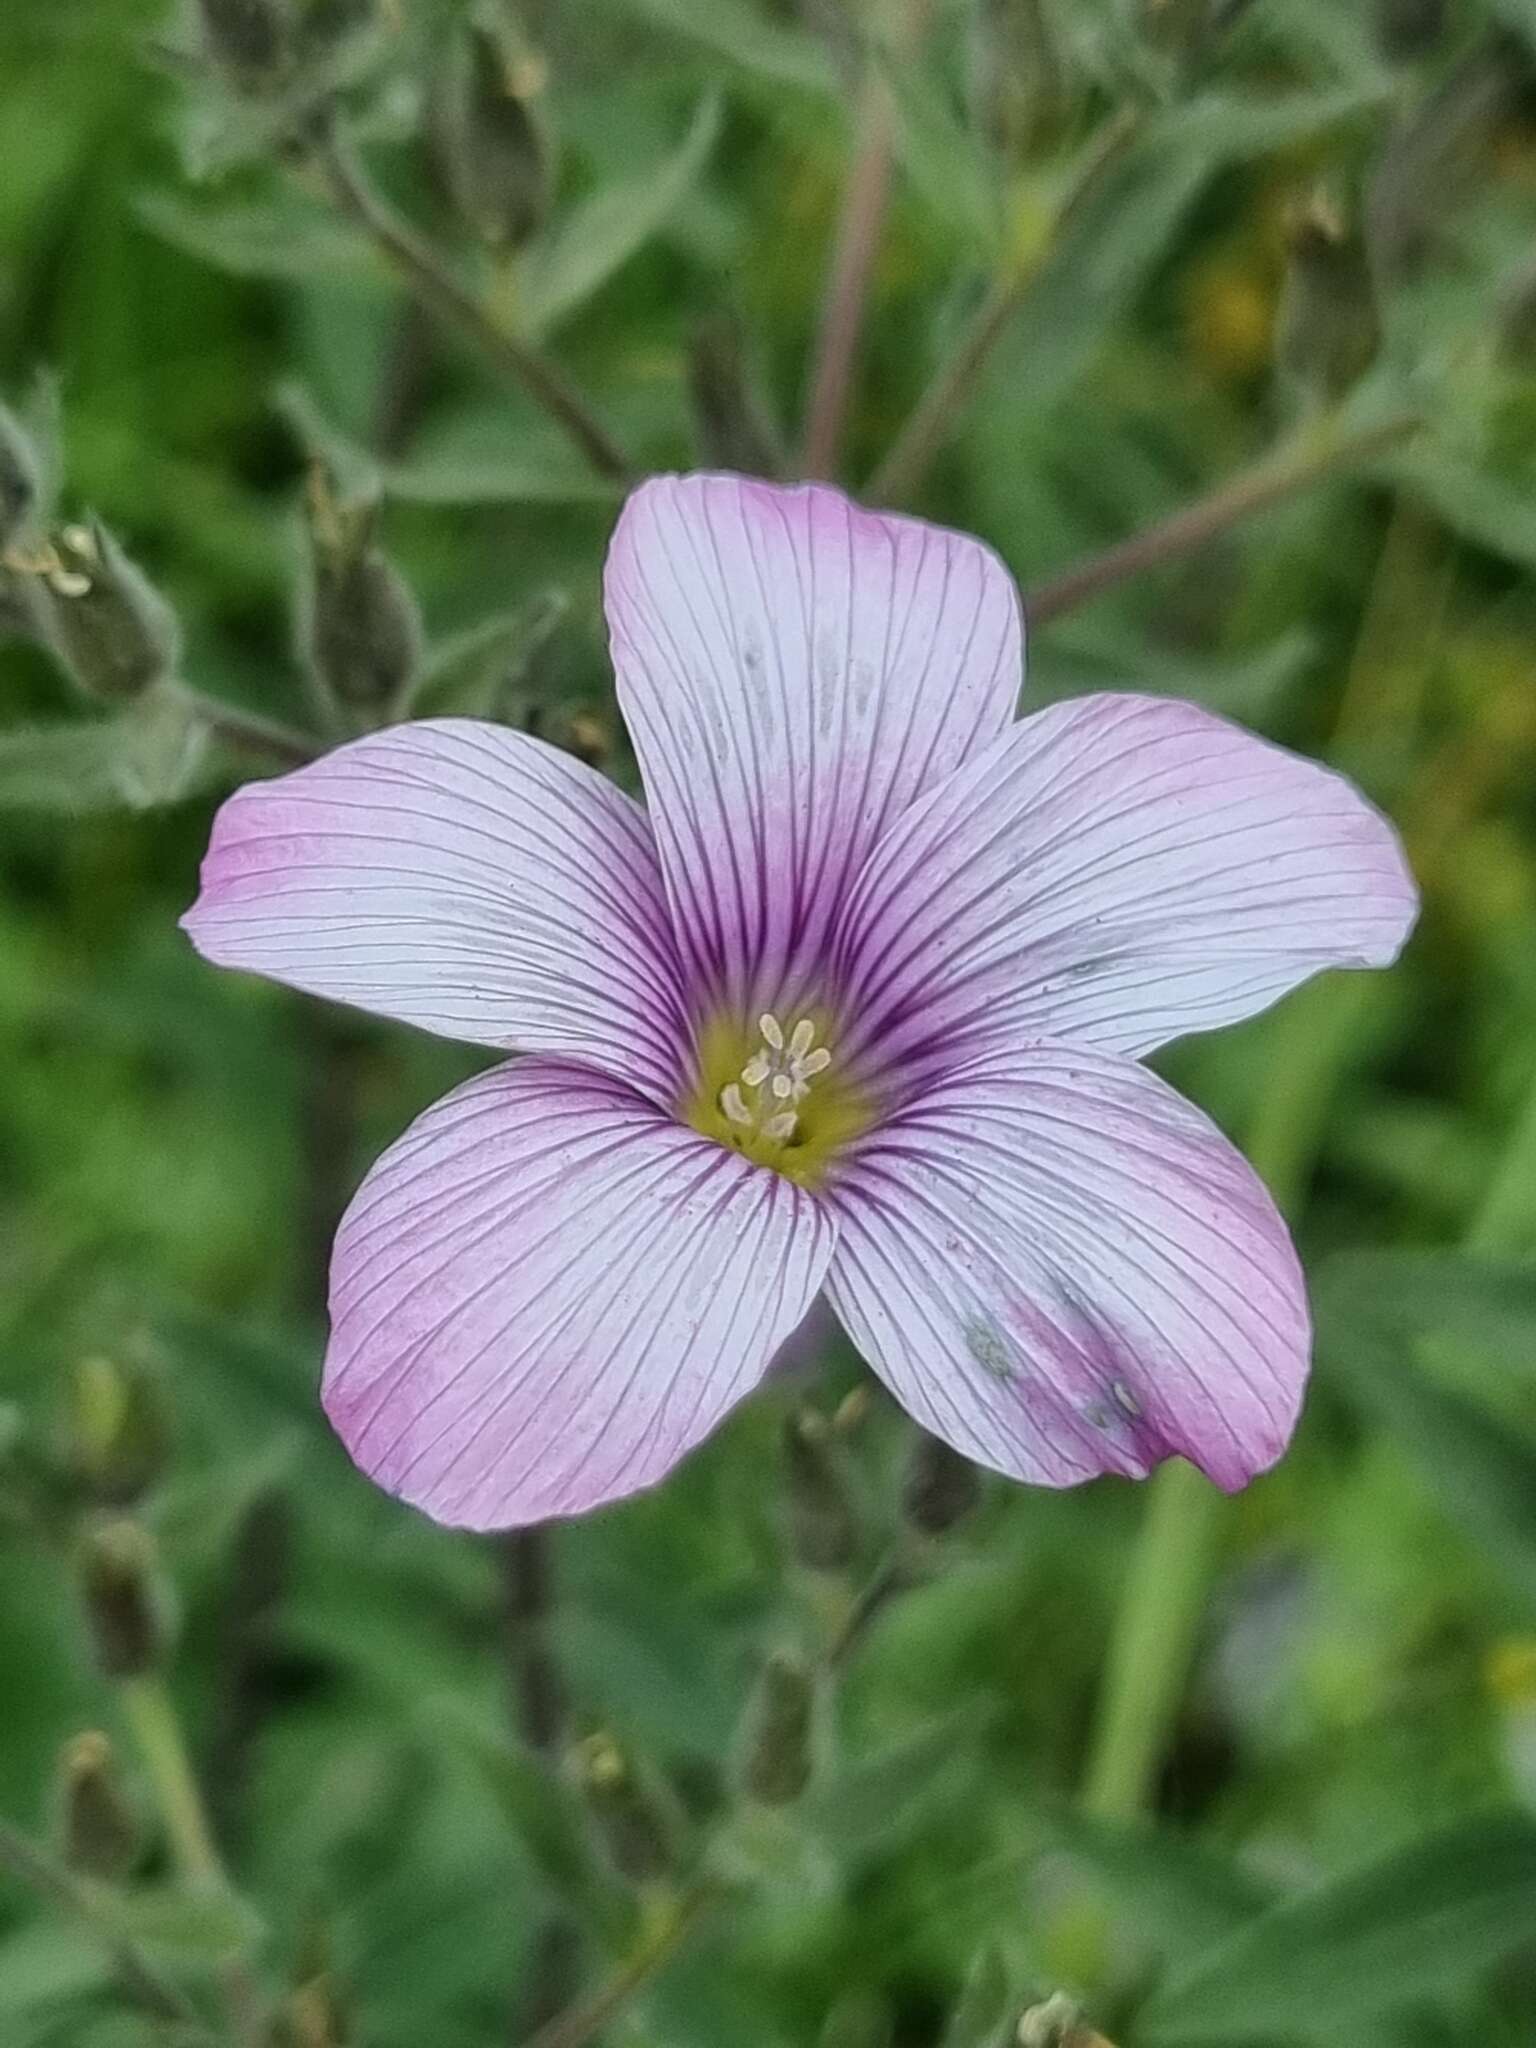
(1177, 239)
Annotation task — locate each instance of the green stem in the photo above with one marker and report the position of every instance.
(250, 732)
(584, 2021)
(52, 1881)
(1503, 1221)
(156, 1728)
(1310, 458)
(441, 295)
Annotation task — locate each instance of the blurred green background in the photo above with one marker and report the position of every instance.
(1139, 251)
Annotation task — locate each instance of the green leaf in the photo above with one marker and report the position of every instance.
(1484, 508)
(732, 29)
(872, 1800)
(1483, 1475)
(541, 1811)
(985, 2005)
(467, 469)
(1425, 1919)
(949, 170)
(1478, 1301)
(199, 1927)
(584, 249)
(280, 237)
(1179, 1894)
(155, 752)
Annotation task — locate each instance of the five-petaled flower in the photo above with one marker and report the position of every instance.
(853, 1008)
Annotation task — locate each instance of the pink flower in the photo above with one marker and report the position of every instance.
(854, 1008)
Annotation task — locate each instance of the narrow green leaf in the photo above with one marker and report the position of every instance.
(201, 1927)
(985, 2005)
(950, 171)
(1425, 1919)
(734, 30)
(871, 1800)
(154, 752)
(582, 251)
(280, 237)
(1180, 1894)
(541, 1811)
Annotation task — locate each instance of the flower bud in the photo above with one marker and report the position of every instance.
(779, 1722)
(488, 142)
(244, 37)
(115, 1434)
(1058, 2023)
(1406, 29)
(1327, 330)
(823, 1530)
(360, 630)
(941, 1487)
(20, 478)
(99, 1832)
(124, 1602)
(110, 627)
(730, 428)
(634, 1831)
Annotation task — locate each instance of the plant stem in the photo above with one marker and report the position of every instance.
(156, 1727)
(1503, 1221)
(861, 220)
(1307, 460)
(452, 305)
(250, 732)
(25, 1860)
(954, 384)
(584, 2021)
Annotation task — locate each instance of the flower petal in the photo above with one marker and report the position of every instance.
(463, 878)
(1115, 872)
(548, 1291)
(794, 672)
(1062, 1268)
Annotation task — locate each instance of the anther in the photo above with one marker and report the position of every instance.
(802, 1039)
(783, 1087)
(755, 1072)
(771, 1029)
(733, 1102)
(815, 1062)
(781, 1126)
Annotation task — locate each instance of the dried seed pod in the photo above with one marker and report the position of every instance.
(359, 627)
(941, 1487)
(116, 1437)
(1327, 329)
(124, 1602)
(489, 144)
(634, 1830)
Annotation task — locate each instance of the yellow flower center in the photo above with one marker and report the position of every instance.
(775, 1095)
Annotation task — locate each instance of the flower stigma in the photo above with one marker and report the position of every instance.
(773, 1094)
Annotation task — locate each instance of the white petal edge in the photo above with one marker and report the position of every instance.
(460, 877)
(1063, 1268)
(1117, 871)
(547, 1292)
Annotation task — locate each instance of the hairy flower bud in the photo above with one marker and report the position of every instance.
(245, 38)
(941, 1487)
(1409, 28)
(124, 1603)
(19, 478)
(98, 1829)
(1058, 2023)
(487, 138)
(110, 627)
(1327, 330)
(777, 1765)
(633, 1828)
(359, 627)
(823, 1530)
(115, 1432)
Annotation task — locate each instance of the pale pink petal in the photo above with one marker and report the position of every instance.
(548, 1291)
(1062, 1268)
(794, 673)
(1115, 872)
(463, 878)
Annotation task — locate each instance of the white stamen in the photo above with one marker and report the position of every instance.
(816, 1062)
(757, 1069)
(783, 1087)
(772, 1030)
(780, 1126)
(733, 1102)
(802, 1039)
